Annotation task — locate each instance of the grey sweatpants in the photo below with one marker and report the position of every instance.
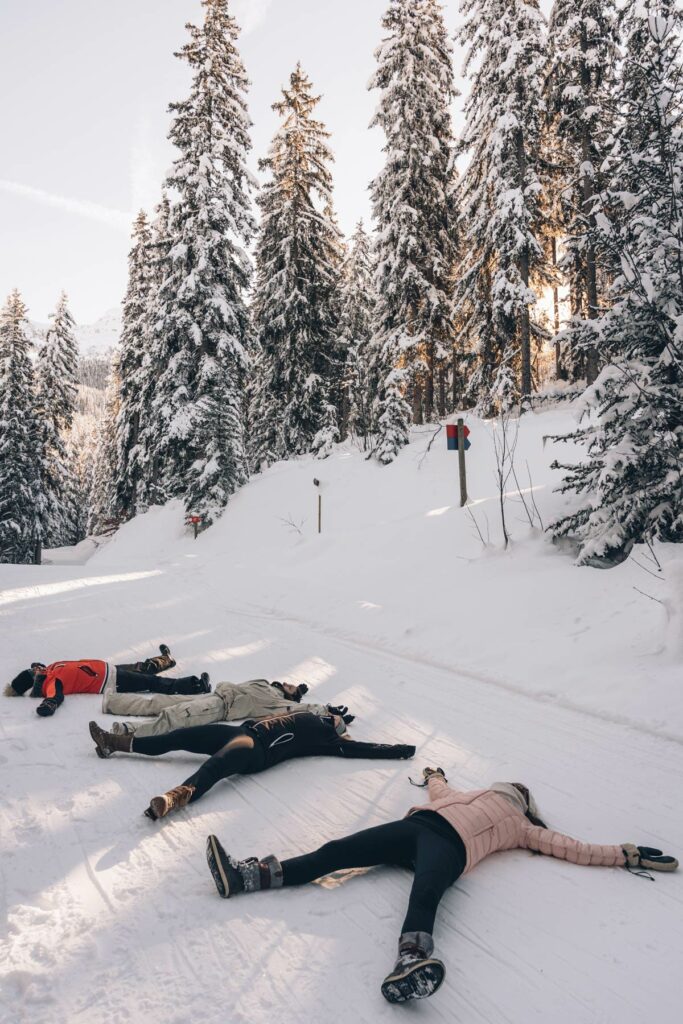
(172, 712)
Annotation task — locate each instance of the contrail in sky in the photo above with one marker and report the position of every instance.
(82, 207)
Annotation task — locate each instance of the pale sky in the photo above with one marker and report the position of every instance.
(83, 122)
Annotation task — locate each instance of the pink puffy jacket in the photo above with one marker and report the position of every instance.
(487, 822)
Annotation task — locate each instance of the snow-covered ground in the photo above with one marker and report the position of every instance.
(498, 665)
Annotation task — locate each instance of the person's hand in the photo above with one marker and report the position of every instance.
(48, 706)
(428, 772)
(341, 711)
(648, 857)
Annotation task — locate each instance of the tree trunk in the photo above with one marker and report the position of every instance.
(523, 267)
(587, 191)
(556, 313)
(429, 384)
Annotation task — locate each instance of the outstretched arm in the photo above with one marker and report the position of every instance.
(355, 748)
(54, 696)
(556, 844)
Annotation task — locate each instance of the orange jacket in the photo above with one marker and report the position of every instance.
(86, 676)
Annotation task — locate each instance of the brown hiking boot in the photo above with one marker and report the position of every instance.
(160, 806)
(106, 743)
(161, 663)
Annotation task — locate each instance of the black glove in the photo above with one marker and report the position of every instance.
(48, 707)
(342, 712)
(427, 772)
(648, 857)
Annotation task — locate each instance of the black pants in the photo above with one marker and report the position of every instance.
(212, 739)
(436, 859)
(130, 681)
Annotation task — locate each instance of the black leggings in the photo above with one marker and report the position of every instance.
(207, 739)
(437, 862)
(130, 681)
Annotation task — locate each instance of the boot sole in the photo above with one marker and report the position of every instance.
(213, 859)
(417, 983)
(99, 750)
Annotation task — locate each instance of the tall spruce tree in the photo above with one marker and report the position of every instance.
(56, 388)
(631, 485)
(355, 334)
(580, 100)
(102, 497)
(150, 445)
(412, 207)
(134, 365)
(21, 501)
(295, 300)
(200, 319)
(499, 193)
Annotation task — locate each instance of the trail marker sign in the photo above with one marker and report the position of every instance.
(456, 440)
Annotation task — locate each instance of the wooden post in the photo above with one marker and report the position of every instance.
(320, 513)
(196, 529)
(38, 553)
(461, 463)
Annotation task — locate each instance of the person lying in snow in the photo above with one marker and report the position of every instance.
(243, 750)
(439, 841)
(55, 681)
(229, 702)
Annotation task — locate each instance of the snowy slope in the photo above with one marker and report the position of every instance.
(509, 665)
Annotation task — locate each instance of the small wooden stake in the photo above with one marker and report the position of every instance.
(320, 513)
(461, 463)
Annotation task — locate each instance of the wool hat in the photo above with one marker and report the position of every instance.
(20, 684)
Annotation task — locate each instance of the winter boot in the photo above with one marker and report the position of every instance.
(106, 743)
(202, 685)
(159, 664)
(160, 806)
(416, 973)
(233, 876)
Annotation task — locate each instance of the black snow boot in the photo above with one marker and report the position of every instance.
(416, 973)
(233, 876)
(106, 743)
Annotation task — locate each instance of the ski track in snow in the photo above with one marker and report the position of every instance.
(109, 917)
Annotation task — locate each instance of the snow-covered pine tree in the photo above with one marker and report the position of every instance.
(580, 100)
(412, 208)
(355, 336)
(56, 389)
(103, 510)
(201, 323)
(20, 495)
(134, 364)
(632, 482)
(499, 193)
(295, 301)
(150, 489)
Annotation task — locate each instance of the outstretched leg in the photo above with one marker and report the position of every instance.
(152, 666)
(240, 756)
(417, 974)
(128, 681)
(385, 844)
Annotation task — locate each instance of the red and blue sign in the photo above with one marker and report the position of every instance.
(452, 437)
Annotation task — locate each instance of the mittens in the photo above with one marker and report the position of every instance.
(427, 772)
(648, 857)
(48, 707)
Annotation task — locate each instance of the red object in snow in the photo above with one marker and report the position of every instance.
(452, 430)
(194, 519)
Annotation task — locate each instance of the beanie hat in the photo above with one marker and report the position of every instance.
(20, 684)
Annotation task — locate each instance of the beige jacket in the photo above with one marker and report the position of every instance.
(488, 821)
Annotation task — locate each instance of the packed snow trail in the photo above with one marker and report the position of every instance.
(111, 917)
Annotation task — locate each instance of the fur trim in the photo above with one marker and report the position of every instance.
(9, 691)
